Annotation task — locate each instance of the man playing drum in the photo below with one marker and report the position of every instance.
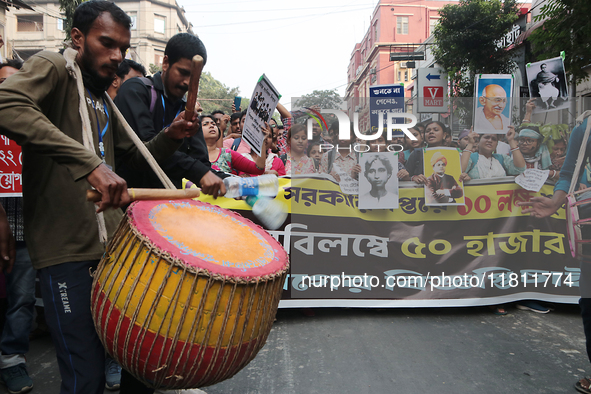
(541, 207)
(151, 104)
(72, 140)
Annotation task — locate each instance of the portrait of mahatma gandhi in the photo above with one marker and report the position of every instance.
(493, 105)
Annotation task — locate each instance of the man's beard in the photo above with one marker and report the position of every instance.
(92, 79)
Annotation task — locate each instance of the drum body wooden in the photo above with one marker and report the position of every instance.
(187, 293)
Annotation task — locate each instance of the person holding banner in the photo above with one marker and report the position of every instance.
(435, 135)
(411, 145)
(273, 164)
(297, 161)
(224, 159)
(487, 164)
(541, 207)
(534, 151)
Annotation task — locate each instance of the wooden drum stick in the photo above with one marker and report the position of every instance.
(150, 194)
(196, 68)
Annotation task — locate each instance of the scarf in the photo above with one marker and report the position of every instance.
(541, 159)
(489, 167)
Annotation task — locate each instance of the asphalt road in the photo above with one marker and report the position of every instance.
(442, 350)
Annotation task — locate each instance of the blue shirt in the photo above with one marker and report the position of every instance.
(568, 168)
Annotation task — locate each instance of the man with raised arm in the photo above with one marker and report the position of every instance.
(150, 105)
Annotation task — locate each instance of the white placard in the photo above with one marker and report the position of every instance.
(260, 110)
(348, 185)
(532, 179)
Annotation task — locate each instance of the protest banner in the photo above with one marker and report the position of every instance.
(486, 252)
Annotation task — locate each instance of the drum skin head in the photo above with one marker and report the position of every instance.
(205, 236)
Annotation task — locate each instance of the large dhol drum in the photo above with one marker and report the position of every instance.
(187, 292)
(578, 220)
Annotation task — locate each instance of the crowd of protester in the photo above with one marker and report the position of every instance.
(286, 150)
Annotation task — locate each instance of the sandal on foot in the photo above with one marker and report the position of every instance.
(498, 310)
(584, 386)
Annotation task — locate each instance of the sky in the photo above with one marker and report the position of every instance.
(301, 46)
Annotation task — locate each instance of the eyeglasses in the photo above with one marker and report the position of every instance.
(497, 100)
(526, 141)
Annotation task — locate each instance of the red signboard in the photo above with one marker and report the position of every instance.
(432, 96)
(11, 168)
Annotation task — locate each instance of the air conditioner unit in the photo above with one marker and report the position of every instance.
(372, 71)
(356, 108)
(402, 65)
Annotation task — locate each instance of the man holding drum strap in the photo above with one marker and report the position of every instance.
(43, 109)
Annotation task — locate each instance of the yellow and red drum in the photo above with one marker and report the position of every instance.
(187, 292)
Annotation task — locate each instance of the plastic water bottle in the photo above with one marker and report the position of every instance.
(271, 213)
(264, 185)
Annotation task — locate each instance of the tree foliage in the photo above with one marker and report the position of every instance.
(217, 95)
(153, 68)
(566, 28)
(466, 40)
(68, 7)
(327, 99)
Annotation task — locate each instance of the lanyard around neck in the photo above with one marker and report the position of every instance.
(164, 125)
(104, 130)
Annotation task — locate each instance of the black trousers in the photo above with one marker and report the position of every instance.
(130, 385)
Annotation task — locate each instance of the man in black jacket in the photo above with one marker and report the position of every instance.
(150, 105)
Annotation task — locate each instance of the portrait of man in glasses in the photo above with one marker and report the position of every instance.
(489, 112)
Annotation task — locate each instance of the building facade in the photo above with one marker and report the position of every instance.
(394, 28)
(154, 22)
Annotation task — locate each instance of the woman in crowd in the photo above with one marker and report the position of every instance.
(435, 136)
(273, 164)
(411, 145)
(297, 161)
(485, 163)
(340, 160)
(535, 153)
(558, 153)
(315, 153)
(225, 159)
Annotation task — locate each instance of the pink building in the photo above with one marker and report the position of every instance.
(395, 27)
